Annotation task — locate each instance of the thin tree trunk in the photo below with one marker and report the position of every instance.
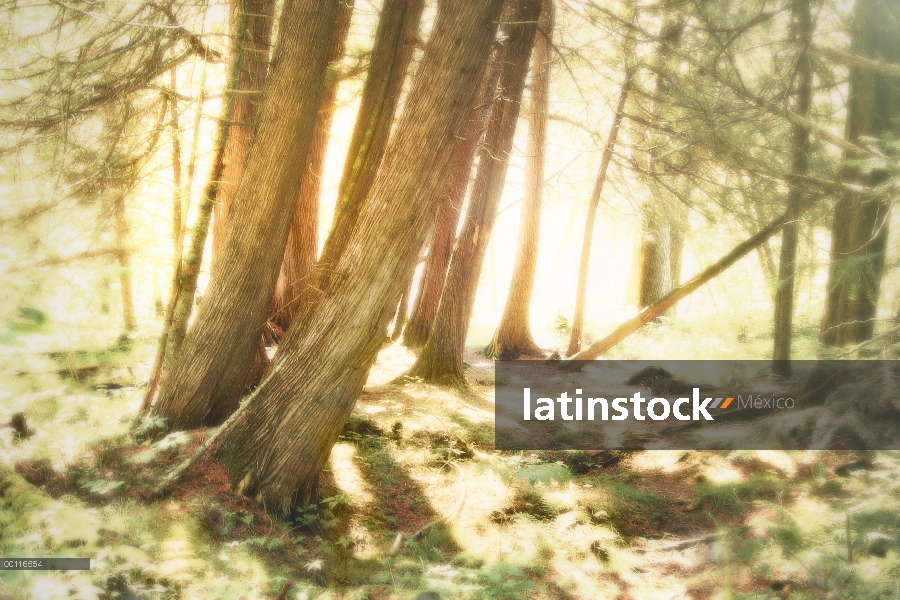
(442, 357)
(859, 230)
(187, 270)
(169, 314)
(255, 50)
(212, 366)
(394, 40)
(513, 336)
(435, 272)
(124, 256)
(177, 190)
(276, 451)
(303, 240)
(593, 204)
(787, 268)
(669, 300)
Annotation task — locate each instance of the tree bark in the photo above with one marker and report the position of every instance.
(513, 336)
(669, 300)
(593, 204)
(303, 240)
(212, 366)
(434, 274)
(442, 357)
(394, 41)
(787, 268)
(254, 67)
(277, 450)
(859, 230)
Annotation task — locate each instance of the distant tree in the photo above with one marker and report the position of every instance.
(513, 335)
(441, 358)
(784, 294)
(860, 225)
(661, 238)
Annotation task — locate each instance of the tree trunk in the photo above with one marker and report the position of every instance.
(859, 230)
(277, 450)
(787, 268)
(124, 256)
(212, 366)
(394, 41)
(656, 274)
(303, 240)
(442, 357)
(593, 203)
(513, 336)
(177, 190)
(434, 274)
(656, 240)
(254, 67)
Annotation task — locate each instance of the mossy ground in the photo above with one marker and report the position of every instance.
(660, 524)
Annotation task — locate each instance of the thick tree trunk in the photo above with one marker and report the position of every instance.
(859, 231)
(442, 357)
(669, 300)
(394, 41)
(277, 449)
(254, 67)
(787, 269)
(593, 204)
(303, 240)
(434, 274)
(124, 255)
(513, 336)
(212, 366)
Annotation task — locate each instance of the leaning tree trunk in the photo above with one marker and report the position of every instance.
(254, 68)
(394, 41)
(442, 357)
(859, 230)
(212, 365)
(435, 272)
(784, 293)
(593, 204)
(276, 451)
(513, 336)
(303, 240)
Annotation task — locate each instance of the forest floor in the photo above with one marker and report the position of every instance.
(417, 461)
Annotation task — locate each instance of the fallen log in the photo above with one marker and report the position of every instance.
(669, 300)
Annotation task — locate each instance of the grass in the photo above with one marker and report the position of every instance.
(548, 525)
(738, 496)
